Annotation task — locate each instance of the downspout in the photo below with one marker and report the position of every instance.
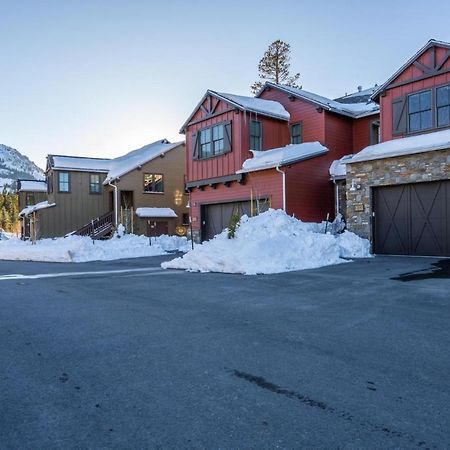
(277, 168)
(116, 219)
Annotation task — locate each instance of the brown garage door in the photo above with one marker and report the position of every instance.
(215, 218)
(412, 219)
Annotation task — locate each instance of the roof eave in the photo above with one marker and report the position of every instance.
(285, 163)
(432, 42)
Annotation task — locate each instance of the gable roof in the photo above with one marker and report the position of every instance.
(78, 163)
(429, 44)
(282, 156)
(355, 109)
(267, 108)
(132, 160)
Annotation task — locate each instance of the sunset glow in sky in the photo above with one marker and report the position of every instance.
(100, 78)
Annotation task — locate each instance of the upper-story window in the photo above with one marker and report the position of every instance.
(443, 105)
(212, 141)
(419, 111)
(296, 133)
(153, 182)
(63, 182)
(94, 183)
(255, 135)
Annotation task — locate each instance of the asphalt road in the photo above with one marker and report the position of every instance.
(124, 355)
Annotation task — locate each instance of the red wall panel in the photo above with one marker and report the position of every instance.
(409, 73)
(263, 184)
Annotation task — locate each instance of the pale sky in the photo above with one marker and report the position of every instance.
(103, 77)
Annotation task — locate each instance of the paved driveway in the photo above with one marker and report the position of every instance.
(124, 355)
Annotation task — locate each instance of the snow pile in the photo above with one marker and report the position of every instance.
(82, 249)
(272, 242)
(274, 157)
(353, 246)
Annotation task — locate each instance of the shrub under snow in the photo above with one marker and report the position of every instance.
(272, 242)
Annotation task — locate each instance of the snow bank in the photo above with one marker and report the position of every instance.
(82, 249)
(353, 246)
(272, 242)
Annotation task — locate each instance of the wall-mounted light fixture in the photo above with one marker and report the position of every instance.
(354, 186)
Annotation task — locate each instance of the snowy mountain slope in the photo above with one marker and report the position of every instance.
(14, 165)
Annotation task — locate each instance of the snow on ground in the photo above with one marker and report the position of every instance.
(82, 249)
(272, 242)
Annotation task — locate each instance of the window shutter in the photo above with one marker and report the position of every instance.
(195, 145)
(399, 115)
(227, 137)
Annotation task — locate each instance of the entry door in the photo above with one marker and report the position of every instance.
(412, 219)
(157, 227)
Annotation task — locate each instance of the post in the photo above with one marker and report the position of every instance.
(132, 220)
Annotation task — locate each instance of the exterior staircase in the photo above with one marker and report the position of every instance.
(99, 228)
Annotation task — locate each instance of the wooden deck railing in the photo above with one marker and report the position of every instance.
(98, 227)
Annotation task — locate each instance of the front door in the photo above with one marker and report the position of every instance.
(157, 227)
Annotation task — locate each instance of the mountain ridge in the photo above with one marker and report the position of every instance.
(14, 165)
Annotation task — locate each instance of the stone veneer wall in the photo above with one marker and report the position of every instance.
(420, 167)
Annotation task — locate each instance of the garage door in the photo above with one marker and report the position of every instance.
(412, 219)
(217, 217)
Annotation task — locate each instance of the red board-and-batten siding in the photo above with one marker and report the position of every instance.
(263, 184)
(309, 191)
(410, 73)
(275, 133)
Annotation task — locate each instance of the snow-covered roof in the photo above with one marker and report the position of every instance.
(32, 208)
(155, 212)
(355, 110)
(360, 96)
(256, 105)
(79, 163)
(428, 142)
(32, 186)
(338, 168)
(430, 43)
(126, 163)
(268, 159)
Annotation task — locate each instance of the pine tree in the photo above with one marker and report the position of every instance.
(275, 66)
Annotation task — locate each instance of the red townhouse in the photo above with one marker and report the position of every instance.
(398, 191)
(245, 154)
